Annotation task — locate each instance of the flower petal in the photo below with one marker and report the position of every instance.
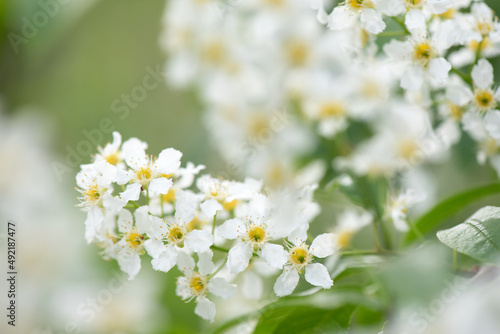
(286, 282)
(324, 245)
(93, 223)
(274, 255)
(318, 275)
(154, 247)
(168, 161)
(210, 208)
(482, 74)
(238, 258)
(199, 240)
(205, 264)
(131, 193)
(415, 21)
(186, 203)
(160, 185)
(439, 69)
(130, 263)
(221, 288)
(166, 260)
(205, 308)
(230, 229)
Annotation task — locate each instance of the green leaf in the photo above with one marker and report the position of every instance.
(444, 210)
(349, 265)
(478, 237)
(305, 319)
(323, 301)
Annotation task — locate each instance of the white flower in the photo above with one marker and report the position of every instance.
(254, 235)
(197, 284)
(111, 152)
(419, 58)
(223, 195)
(398, 208)
(417, 11)
(300, 259)
(350, 222)
(95, 182)
(483, 98)
(327, 103)
(128, 249)
(176, 233)
(346, 15)
(146, 172)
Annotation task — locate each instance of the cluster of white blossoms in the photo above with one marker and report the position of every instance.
(297, 94)
(141, 204)
(376, 87)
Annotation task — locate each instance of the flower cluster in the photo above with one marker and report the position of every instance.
(140, 204)
(413, 75)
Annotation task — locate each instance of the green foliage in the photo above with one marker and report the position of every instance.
(449, 207)
(478, 237)
(305, 319)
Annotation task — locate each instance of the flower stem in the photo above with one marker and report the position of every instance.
(220, 249)
(402, 24)
(162, 210)
(213, 224)
(218, 269)
(465, 77)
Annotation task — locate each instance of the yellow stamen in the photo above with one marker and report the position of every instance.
(298, 52)
(170, 196)
(197, 285)
(344, 238)
(423, 53)
(331, 109)
(484, 100)
(229, 206)
(176, 234)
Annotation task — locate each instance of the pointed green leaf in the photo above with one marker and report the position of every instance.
(444, 210)
(478, 237)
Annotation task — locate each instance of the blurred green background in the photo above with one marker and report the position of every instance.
(86, 57)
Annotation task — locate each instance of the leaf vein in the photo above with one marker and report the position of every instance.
(481, 232)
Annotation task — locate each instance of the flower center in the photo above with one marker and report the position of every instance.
(484, 28)
(423, 53)
(113, 159)
(484, 44)
(229, 206)
(143, 174)
(414, 3)
(195, 224)
(449, 14)
(214, 52)
(134, 240)
(484, 100)
(197, 284)
(331, 109)
(298, 52)
(407, 148)
(257, 234)
(344, 238)
(170, 196)
(358, 4)
(300, 256)
(455, 111)
(176, 234)
(258, 125)
(371, 89)
(275, 3)
(92, 195)
(490, 146)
